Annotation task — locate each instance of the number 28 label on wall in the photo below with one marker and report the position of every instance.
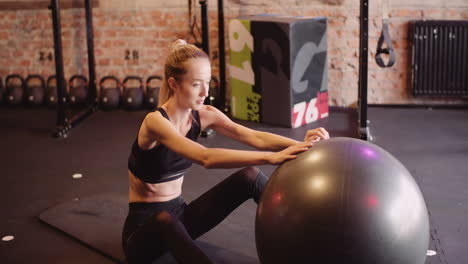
(308, 112)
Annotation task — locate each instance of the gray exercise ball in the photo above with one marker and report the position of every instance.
(343, 201)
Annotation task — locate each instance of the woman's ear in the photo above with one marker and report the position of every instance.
(172, 83)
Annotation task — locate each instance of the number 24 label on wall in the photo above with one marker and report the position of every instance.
(308, 112)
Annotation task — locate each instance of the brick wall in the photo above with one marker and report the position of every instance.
(132, 37)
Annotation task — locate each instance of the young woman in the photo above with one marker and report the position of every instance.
(159, 220)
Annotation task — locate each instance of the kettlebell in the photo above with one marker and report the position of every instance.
(51, 91)
(152, 92)
(133, 96)
(78, 94)
(14, 90)
(109, 97)
(34, 92)
(213, 95)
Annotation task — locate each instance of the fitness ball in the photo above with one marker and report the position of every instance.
(343, 201)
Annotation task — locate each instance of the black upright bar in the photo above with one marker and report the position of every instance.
(205, 29)
(363, 132)
(205, 45)
(90, 45)
(65, 124)
(58, 53)
(222, 57)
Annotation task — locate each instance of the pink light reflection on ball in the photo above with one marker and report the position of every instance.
(368, 153)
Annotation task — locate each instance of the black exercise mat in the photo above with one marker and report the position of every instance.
(96, 221)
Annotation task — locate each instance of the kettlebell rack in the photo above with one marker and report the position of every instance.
(65, 123)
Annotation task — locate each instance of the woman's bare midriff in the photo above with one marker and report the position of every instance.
(140, 191)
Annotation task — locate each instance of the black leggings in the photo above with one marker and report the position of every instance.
(151, 229)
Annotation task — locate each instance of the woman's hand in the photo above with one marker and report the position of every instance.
(317, 134)
(289, 153)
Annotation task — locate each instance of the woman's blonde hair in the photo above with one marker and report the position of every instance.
(174, 67)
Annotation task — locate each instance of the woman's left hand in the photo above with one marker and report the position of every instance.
(317, 134)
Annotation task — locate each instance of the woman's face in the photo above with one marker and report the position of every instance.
(193, 87)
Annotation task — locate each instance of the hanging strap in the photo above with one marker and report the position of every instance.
(385, 38)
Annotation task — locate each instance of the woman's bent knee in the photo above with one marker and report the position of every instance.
(249, 174)
(254, 180)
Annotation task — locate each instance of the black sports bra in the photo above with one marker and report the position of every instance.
(161, 164)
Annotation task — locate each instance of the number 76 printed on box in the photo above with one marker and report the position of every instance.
(308, 112)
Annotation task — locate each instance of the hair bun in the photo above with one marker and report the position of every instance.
(177, 43)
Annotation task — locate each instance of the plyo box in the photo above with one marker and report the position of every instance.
(278, 69)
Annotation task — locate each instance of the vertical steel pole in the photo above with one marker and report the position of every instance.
(61, 90)
(205, 46)
(363, 70)
(205, 29)
(90, 45)
(222, 58)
